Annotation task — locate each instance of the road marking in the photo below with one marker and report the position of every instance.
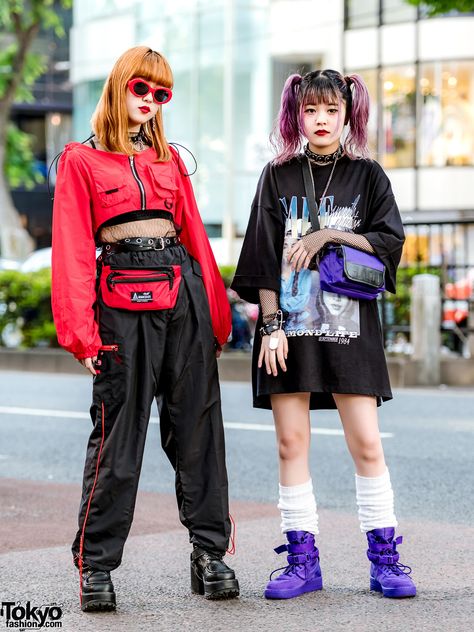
(232, 425)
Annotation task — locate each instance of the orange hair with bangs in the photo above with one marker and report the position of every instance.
(110, 119)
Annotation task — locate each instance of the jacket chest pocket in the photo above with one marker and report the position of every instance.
(112, 192)
(163, 185)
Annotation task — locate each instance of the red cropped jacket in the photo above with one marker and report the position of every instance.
(96, 188)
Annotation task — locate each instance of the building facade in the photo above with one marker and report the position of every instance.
(230, 59)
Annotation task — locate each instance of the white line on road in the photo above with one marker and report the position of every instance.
(233, 425)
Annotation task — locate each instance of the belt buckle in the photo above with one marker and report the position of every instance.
(162, 244)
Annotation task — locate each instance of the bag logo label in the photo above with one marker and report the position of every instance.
(141, 297)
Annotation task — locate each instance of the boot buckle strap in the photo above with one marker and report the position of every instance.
(281, 548)
(383, 559)
(299, 558)
(300, 547)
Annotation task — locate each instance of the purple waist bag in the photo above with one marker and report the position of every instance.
(348, 271)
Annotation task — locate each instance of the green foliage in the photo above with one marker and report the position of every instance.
(401, 301)
(25, 302)
(437, 7)
(32, 12)
(19, 167)
(20, 18)
(34, 67)
(227, 273)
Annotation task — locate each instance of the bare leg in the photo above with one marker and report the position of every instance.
(358, 415)
(291, 415)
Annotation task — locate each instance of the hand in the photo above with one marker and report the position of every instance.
(272, 355)
(298, 257)
(88, 363)
(305, 249)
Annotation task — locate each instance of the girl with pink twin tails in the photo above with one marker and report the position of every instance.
(317, 349)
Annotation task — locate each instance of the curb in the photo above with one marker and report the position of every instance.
(235, 366)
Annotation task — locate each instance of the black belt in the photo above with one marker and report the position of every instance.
(140, 243)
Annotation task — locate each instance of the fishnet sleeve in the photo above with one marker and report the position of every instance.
(319, 238)
(269, 304)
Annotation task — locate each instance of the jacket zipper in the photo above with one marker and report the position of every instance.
(139, 182)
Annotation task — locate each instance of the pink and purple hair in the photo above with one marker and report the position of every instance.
(321, 86)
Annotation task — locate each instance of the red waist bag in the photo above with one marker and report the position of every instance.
(136, 288)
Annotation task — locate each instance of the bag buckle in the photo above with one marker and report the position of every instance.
(162, 241)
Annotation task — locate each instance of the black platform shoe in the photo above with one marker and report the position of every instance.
(211, 577)
(97, 590)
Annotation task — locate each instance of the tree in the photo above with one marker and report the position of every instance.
(436, 7)
(20, 22)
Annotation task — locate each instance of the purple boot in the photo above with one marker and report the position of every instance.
(387, 575)
(302, 574)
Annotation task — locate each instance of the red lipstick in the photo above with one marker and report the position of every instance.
(322, 133)
(145, 109)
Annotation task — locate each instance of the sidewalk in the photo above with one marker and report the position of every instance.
(152, 584)
(236, 366)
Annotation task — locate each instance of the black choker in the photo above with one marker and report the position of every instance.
(139, 140)
(323, 159)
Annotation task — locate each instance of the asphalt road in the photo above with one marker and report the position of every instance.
(428, 441)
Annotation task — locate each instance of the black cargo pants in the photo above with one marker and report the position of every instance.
(168, 355)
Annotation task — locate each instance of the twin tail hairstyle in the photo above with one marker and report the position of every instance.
(321, 86)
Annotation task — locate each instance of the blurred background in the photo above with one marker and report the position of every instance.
(230, 59)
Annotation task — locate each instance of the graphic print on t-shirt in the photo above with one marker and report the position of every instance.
(312, 311)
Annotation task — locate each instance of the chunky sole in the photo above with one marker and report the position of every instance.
(98, 602)
(221, 589)
(394, 593)
(314, 584)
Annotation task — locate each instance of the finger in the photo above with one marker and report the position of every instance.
(89, 366)
(292, 258)
(293, 250)
(261, 354)
(285, 347)
(306, 262)
(281, 357)
(267, 361)
(273, 363)
(299, 260)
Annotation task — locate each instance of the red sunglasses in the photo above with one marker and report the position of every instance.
(140, 88)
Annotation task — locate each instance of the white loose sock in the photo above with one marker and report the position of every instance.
(298, 508)
(374, 498)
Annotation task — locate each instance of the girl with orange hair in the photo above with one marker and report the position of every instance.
(147, 319)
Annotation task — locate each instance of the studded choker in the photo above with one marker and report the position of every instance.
(323, 159)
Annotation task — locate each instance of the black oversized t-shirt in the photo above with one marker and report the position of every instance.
(335, 342)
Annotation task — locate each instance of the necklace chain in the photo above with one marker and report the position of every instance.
(328, 181)
(323, 159)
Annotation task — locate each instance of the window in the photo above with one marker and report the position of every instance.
(398, 125)
(446, 130)
(360, 13)
(397, 11)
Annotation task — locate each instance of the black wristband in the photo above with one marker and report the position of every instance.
(273, 325)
